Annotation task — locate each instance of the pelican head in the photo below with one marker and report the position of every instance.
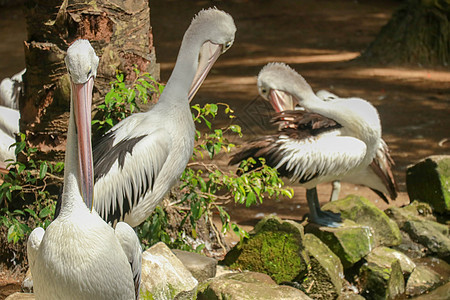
(216, 28)
(283, 87)
(82, 64)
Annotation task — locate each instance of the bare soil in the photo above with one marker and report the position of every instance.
(320, 39)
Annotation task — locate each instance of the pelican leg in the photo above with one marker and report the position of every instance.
(318, 216)
(336, 188)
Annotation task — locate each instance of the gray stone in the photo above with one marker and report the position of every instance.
(164, 276)
(384, 257)
(441, 293)
(415, 211)
(350, 242)
(275, 247)
(350, 296)
(324, 279)
(379, 282)
(20, 296)
(364, 212)
(422, 279)
(431, 235)
(429, 181)
(201, 267)
(247, 286)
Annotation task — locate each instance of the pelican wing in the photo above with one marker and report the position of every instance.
(33, 243)
(382, 166)
(304, 159)
(126, 170)
(132, 248)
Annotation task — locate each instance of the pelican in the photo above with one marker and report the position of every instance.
(9, 127)
(381, 165)
(80, 256)
(10, 89)
(329, 141)
(138, 160)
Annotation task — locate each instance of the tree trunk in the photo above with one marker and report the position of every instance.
(121, 35)
(417, 34)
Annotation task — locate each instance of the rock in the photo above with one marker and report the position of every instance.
(431, 235)
(441, 293)
(379, 282)
(350, 296)
(350, 242)
(364, 212)
(429, 181)
(164, 276)
(384, 257)
(20, 296)
(247, 285)
(324, 279)
(275, 248)
(222, 270)
(200, 266)
(416, 211)
(422, 279)
(411, 248)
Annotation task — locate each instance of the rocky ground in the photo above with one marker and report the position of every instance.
(317, 38)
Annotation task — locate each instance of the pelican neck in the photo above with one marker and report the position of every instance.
(182, 76)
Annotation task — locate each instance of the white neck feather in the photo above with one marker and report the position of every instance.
(71, 196)
(182, 76)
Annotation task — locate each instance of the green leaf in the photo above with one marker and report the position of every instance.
(43, 170)
(45, 212)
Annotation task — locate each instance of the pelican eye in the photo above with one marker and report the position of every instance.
(227, 46)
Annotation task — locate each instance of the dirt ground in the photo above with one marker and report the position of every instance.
(319, 39)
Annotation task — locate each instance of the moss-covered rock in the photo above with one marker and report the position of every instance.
(422, 279)
(324, 279)
(380, 282)
(429, 181)
(275, 247)
(364, 212)
(350, 242)
(247, 286)
(384, 257)
(440, 293)
(415, 211)
(432, 235)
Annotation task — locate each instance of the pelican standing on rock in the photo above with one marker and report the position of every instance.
(329, 141)
(80, 256)
(143, 156)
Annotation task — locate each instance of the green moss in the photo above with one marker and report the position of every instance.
(274, 248)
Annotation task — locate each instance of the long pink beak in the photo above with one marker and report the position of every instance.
(281, 101)
(209, 53)
(82, 104)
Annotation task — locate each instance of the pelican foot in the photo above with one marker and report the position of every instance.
(327, 218)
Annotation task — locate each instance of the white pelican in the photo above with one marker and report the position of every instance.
(143, 156)
(9, 127)
(381, 165)
(80, 256)
(329, 141)
(10, 89)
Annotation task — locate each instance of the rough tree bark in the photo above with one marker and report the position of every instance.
(417, 34)
(119, 31)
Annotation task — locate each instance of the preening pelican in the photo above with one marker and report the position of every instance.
(328, 141)
(381, 166)
(143, 156)
(80, 256)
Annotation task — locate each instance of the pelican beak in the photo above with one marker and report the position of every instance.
(82, 105)
(209, 53)
(281, 101)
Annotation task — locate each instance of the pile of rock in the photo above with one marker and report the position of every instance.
(374, 255)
